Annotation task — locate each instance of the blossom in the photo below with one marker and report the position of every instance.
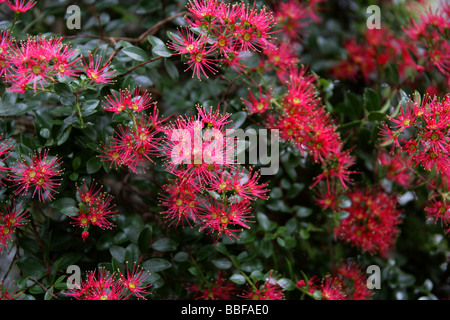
(180, 201)
(221, 217)
(372, 223)
(260, 105)
(96, 72)
(98, 287)
(219, 289)
(439, 211)
(95, 208)
(5, 148)
(353, 281)
(11, 217)
(38, 172)
(133, 146)
(20, 6)
(219, 32)
(134, 281)
(9, 291)
(5, 42)
(38, 62)
(269, 290)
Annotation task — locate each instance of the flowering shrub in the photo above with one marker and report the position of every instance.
(224, 150)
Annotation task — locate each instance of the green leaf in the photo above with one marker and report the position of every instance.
(371, 100)
(171, 69)
(118, 253)
(238, 279)
(287, 284)
(376, 116)
(222, 263)
(136, 53)
(145, 236)
(302, 212)
(156, 265)
(76, 163)
(265, 222)
(181, 256)
(159, 48)
(164, 244)
(237, 119)
(63, 89)
(93, 165)
(45, 133)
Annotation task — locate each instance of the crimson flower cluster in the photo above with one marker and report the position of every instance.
(303, 120)
(420, 131)
(293, 16)
(220, 289)
(11, 217)
(207, 187)
(94, 209)
(348, 282)
(431, 32)
(366, 58)
(104, 285)
(224, 30)
(37, 172)
(19, 6)
(133, 145)
(9, 291)
(268, 290)
(37, 63)
(372, 221)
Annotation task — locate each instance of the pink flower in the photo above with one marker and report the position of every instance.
(96, 72)
(11, 217)
(20, 6)
(37, 172)
(134, 281)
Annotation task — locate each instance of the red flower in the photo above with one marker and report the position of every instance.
(269, 290)
(38, 62)
(353, 281)
(8, 291)
(134, 281)
(260, 105)
(11, 217)
(37, 172)
(20, 6)
(372, 224)
(219, 289)
(96, 72)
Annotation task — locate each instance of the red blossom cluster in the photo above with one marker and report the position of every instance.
(11, 217)
(208, 186)
(94, 209)
(267, 290)
(431, 35)
(304, 121)
(294, 16)
(372, 221)
(420, 131)
(348, 282)
(395, 167)
(37, 172)
(9, 291)
(221, 33)
(133, 145)
(19, 6)
(366, 58)
(218, 289)
(38, 62)
(104, 285)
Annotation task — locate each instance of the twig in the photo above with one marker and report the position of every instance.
(140, 65)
